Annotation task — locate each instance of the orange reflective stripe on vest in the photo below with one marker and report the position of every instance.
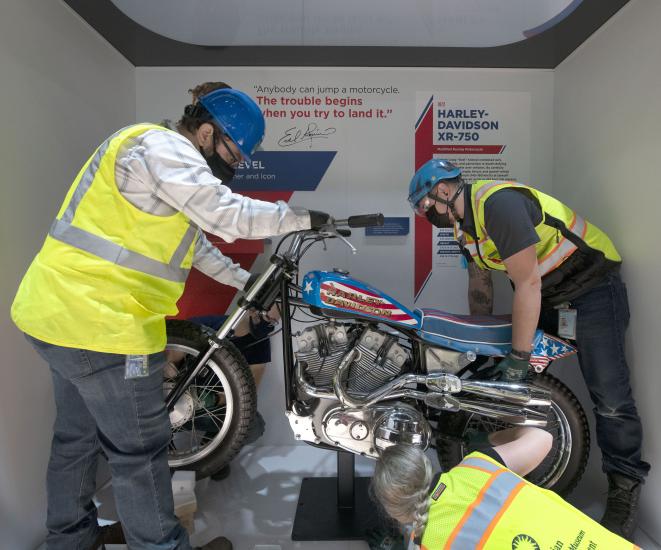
(480, 504)
(484, 512)
(554, 246)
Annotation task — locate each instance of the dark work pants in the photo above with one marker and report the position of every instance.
(97, 408)
(602, 320)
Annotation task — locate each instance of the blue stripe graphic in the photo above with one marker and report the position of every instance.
(282, 171)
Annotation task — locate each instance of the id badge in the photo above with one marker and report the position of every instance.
(136, 366)
(567, 323)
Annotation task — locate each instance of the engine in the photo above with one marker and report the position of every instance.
(322, 347)
(378, 358)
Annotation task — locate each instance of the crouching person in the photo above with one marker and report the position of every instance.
(483, 502)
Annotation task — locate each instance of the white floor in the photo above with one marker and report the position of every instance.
(255, 506)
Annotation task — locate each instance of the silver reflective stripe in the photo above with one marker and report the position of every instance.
(481, 517)
(116, 254)
(186, 242)
(87, 178)
(481, 463)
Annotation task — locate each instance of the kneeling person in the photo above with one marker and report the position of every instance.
(483, 502)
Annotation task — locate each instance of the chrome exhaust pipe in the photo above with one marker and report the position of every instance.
(522, 394)
(391, 390)
(511, 415)
(309, 389)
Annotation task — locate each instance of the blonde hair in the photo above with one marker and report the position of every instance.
(401, 484)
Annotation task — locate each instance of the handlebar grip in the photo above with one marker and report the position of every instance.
(365, 220)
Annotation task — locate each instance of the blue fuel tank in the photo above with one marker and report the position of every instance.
(337, 291)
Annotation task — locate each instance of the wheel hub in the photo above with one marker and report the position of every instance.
(183, 409)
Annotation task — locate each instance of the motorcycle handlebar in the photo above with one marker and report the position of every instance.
(365, 220)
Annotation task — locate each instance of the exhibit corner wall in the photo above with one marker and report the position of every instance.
(64, 89)
(607, 142)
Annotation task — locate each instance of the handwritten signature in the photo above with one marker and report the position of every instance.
(297, 135)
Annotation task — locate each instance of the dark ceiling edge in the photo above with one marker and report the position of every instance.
(144, 48)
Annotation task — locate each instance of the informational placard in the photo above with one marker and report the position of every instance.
(392, 227)
(486, 134)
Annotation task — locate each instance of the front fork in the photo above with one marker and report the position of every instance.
(216, 341)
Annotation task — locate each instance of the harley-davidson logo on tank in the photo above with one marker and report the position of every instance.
(333, 290)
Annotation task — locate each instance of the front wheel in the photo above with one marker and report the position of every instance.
(562, 468)
(210, 420)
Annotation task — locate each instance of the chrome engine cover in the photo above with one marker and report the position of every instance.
(369, 431)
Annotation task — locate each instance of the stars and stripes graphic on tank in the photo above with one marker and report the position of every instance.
(330, 290)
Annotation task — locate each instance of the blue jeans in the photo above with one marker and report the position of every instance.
(97, 408)
(602, 320)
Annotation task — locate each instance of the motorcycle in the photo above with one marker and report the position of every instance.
(366, 374)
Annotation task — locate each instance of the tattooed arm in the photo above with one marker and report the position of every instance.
(480, 290)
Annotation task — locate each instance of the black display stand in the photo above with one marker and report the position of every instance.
(336, 508)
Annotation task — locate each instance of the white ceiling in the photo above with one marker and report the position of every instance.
(423, 23)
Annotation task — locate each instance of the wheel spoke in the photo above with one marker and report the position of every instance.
(206, 425)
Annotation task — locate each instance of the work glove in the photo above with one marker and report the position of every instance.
(318, 219)
(385, 539)
(510, 369)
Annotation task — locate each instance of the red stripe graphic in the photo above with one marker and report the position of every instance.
(423, 229)
(382, 305)
(468, 149)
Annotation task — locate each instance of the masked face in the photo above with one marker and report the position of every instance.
(219, 167)
(437, 219)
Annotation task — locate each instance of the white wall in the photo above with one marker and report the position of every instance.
(63, 89)
(607, 143)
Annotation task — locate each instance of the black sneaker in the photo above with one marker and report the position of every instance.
(621, 513)
(109, 534)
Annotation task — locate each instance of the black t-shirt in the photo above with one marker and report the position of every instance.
(510, 217)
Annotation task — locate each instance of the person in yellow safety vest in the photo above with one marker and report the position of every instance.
(565, 268)
(94, 300)
(483, 503)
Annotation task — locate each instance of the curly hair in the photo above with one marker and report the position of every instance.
(401, 484)
(189, 123)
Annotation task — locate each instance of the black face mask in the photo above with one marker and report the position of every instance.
(437, 219)
(219, 167)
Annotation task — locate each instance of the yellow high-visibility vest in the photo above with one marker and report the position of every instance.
(107, 273)
(562, 233)
(481, 504)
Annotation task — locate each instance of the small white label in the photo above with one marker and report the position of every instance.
(137, 366)
(567, 323)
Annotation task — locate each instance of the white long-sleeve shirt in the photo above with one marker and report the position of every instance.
(160, 172)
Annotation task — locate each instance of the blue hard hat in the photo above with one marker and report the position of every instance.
(427, 176)
(238, 116)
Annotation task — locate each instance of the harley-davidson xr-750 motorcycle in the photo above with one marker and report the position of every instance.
(367, 373)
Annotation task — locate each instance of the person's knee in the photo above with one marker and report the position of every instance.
(616, 409)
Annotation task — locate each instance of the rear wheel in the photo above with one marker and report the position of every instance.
(563, 467)
(211, 419)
